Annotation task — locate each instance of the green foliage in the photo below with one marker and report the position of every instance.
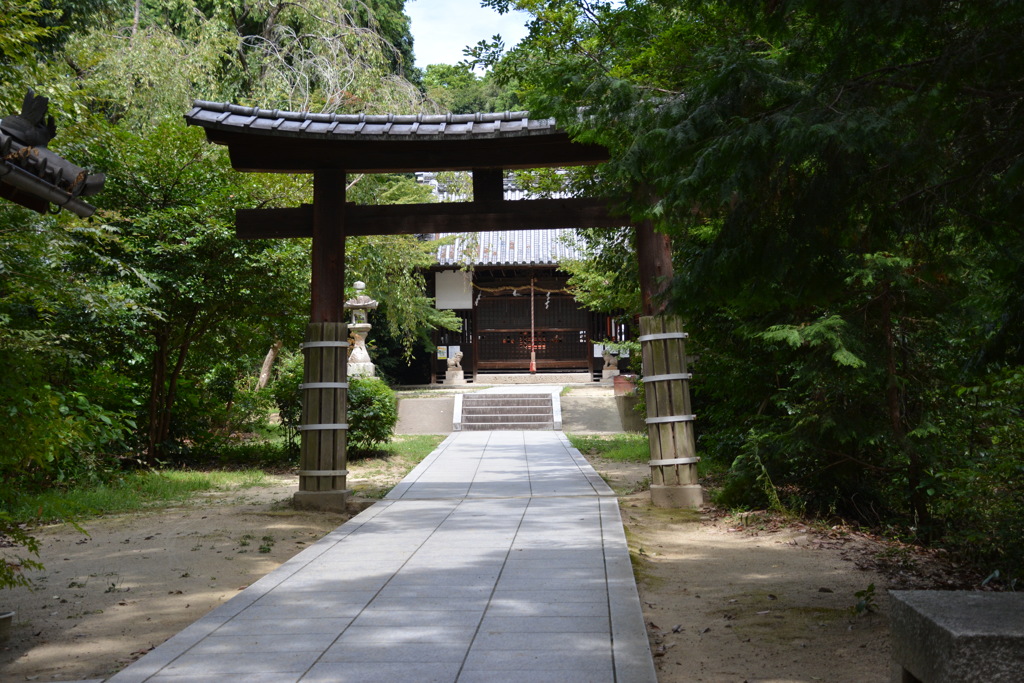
(372, 408)
(979, 496)
(372, 414)
(215, 303)
(138, 334)
(288, 397)
(393, 268)
(865, 601)
(605, 279)
(841, 183)
(12, 565)
(456, 88)
(22, 26)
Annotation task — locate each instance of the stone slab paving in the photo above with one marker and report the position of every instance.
(500, 557)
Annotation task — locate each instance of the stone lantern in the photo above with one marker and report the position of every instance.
(359, 363)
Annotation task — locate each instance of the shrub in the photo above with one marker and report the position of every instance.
(372, 413)
(288, 397)
(12, 566)
(372, 407)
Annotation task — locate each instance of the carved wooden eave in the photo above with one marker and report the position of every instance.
(275, 141)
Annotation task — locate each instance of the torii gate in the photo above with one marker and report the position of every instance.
(331, 145)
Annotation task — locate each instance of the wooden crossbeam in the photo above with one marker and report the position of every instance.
(410, 219)
(272, 154)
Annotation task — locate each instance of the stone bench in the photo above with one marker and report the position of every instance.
(954, 636)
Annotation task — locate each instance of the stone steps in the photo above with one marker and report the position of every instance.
(482, 412)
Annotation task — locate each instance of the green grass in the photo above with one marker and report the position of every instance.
(409, 448)
(622, 447)
(635, 448)
(155, 489)
(399, 456)
(133, 492)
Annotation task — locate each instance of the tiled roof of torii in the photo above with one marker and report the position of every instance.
(274, 141)
(224, 116)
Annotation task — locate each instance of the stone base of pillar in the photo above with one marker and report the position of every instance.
(686, 496)
(327, 501)
(454, 377)
(608, 373)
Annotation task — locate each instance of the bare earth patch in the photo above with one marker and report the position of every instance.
(723, 602)
(108, 597)
(758, 598)
(725, 599)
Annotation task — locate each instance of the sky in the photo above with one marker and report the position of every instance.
(442, 28)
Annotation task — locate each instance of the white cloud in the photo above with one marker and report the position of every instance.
(442, 28)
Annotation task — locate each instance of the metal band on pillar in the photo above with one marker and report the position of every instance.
(323, 345)
(668, 378)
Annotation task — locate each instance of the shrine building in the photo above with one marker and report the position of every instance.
(512, 297)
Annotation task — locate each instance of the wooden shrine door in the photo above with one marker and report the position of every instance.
(560, 338)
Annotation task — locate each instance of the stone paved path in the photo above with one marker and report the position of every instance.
(500, 558)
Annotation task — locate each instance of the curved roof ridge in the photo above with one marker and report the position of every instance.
(259, 112)
(283, 123)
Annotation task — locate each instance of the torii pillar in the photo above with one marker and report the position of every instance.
(323, 461)
(666, 380)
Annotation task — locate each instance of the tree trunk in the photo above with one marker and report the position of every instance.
(157, 390)
(268, 364)
(894, 399)
(164, 388)
(654, 261)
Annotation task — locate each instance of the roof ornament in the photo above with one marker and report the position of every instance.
(33, 176)
(31, 126)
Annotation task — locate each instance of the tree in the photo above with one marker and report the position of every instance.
(211, 297)
(394, 266)
(22, 28)
(214, 304)
(459, 90)
(841, 183)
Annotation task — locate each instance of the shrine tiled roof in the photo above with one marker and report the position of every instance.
(224, 116)
(510, 247)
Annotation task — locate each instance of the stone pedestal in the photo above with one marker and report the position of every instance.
(611, 365)
(455, 377)
(359, 363)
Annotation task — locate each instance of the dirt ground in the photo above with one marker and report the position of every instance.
(725, 598)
